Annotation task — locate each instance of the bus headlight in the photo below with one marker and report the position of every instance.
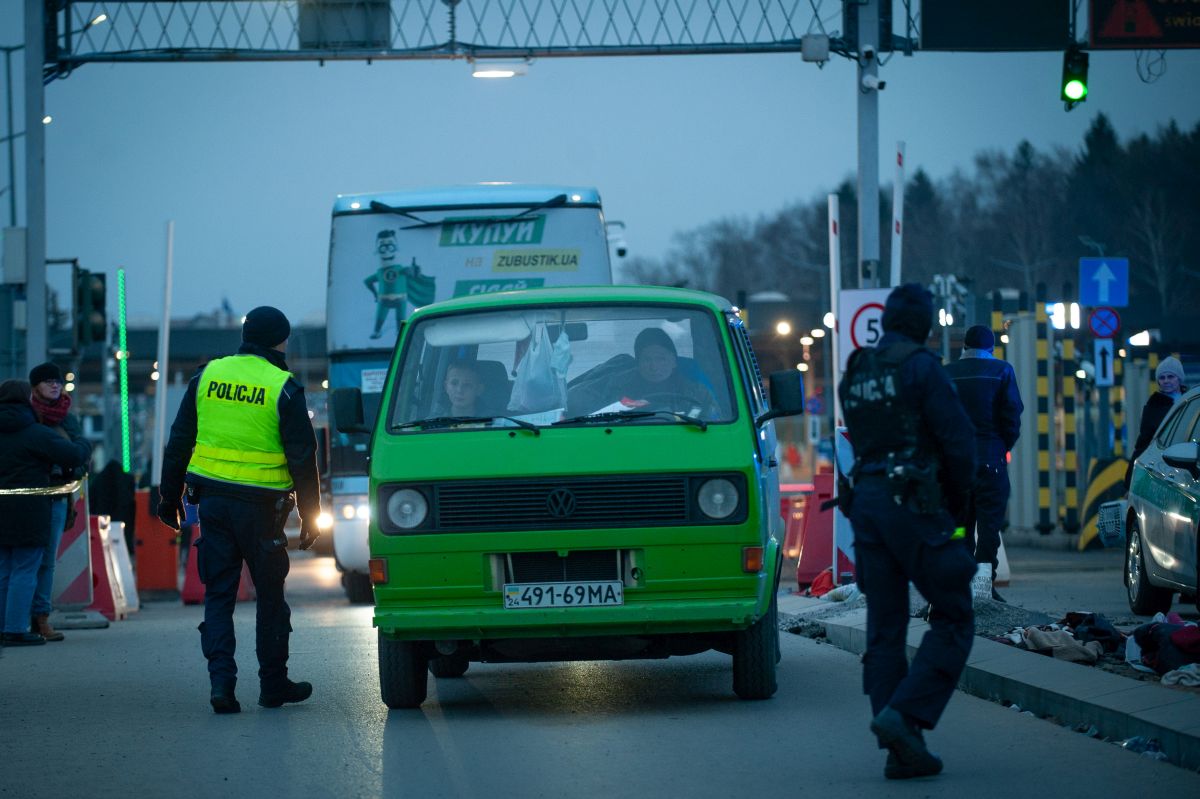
(324, 521)
(407, 508)
(718, 498)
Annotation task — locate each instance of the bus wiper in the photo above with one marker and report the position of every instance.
(625, 416)
(378, 206)
(448, 421)
(554, 202)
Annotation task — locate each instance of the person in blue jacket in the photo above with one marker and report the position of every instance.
(914, 460)
(988, 389)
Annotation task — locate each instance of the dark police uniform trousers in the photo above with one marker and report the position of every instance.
(232, 530)
(894, 545)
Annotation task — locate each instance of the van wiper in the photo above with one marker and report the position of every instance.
(448, 421)
(625, 416)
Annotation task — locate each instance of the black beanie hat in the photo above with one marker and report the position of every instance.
(266, 326)
(45, 371)
(979, 337)
(653, 335)
(909, 311)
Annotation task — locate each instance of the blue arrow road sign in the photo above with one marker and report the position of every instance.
(1104, 281)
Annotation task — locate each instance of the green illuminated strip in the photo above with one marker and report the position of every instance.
(123, 358)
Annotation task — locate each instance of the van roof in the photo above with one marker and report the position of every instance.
(578, 294)
(476, 195)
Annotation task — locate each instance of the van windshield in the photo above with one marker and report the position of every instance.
(588, 364)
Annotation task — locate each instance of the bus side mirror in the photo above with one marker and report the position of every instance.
(787, 395)
(348, 411)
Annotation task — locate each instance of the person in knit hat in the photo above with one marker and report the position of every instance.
(243, 444)
(1169, 377)
(52, 405)
(987, 387)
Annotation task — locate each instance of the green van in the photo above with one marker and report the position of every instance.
(574, 474)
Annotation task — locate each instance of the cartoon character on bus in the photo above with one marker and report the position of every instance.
(394, 286)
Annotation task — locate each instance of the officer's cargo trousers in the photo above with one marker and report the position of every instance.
(894, 545)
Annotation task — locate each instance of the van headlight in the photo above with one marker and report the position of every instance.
(407, 508)
(718, 498)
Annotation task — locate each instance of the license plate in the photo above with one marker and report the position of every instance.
(519, 596)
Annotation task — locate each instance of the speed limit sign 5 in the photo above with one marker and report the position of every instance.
(860, 320)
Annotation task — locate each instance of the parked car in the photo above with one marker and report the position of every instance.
(1164, 513)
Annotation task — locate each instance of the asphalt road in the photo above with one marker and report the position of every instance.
(123, 712)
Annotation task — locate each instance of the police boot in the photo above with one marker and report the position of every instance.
(288, 692)
(908, 756)
(223, 701)
(41, 625)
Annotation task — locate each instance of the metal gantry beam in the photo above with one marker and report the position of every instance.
(319, 30)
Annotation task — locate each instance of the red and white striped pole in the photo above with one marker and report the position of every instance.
(898, 215)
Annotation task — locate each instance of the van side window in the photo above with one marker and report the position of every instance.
(748, 366)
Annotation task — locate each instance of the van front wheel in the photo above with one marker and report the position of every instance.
(403, 682)
(755, 652)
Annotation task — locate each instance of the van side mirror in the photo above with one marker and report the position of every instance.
(348, 411)
(787, 395)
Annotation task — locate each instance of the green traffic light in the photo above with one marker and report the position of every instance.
(1075, 90)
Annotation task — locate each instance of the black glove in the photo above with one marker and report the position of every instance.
(170, 512)
(308, 533)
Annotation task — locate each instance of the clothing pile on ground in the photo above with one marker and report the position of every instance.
(1166, 645)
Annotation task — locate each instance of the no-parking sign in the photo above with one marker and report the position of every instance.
(859, 320)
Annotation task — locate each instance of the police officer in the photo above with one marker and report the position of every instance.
(908, 427)
(243, 442)
(987, 387)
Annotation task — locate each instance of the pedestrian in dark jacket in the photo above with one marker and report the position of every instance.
(52, 407)
(1169, 377)
(987, 387)
(28, 450)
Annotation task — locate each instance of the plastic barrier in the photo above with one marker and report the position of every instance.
(193, 590)
(156, 554)
(108, 593)
(124, 567)
(72, 591)
(816, 536)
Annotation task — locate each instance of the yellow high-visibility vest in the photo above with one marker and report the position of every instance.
(237, 423)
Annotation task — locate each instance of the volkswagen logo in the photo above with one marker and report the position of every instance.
(560, 503)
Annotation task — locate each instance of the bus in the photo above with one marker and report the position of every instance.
(393, 252)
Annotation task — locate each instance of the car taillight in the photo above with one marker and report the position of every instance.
(379, 573)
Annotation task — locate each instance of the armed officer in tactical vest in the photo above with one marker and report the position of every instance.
(244, 444)
(914, 461)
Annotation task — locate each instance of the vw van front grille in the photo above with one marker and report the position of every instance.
(579, 503)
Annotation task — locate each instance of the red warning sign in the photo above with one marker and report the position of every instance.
(1144, 24)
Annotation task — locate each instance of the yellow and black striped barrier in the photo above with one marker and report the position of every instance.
(1118, 406)
(1106, 482)
(1069, 507)
(1046, 521)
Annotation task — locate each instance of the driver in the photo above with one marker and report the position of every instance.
(464, 387)
(656, 380)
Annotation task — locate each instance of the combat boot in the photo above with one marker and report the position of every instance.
(908, 756)
(223, 701)
(288, 692)
(41, 625)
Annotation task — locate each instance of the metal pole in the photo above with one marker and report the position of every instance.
(835, 287)
(35, 184)
(11, 136)
(868, 145)
(898, 216)
(164, 349)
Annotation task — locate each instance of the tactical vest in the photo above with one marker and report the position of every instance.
(237, 423)
(879, 418)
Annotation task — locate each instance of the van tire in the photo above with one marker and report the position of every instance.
(1144, 599)
(755, 652)
(403, 682)
(358, 588)
(449, 666)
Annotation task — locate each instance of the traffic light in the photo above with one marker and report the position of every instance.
(1074, 76)
(91, 321)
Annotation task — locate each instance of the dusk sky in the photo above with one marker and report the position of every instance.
(247, 158)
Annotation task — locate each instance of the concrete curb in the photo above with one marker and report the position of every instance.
(1076, 695)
